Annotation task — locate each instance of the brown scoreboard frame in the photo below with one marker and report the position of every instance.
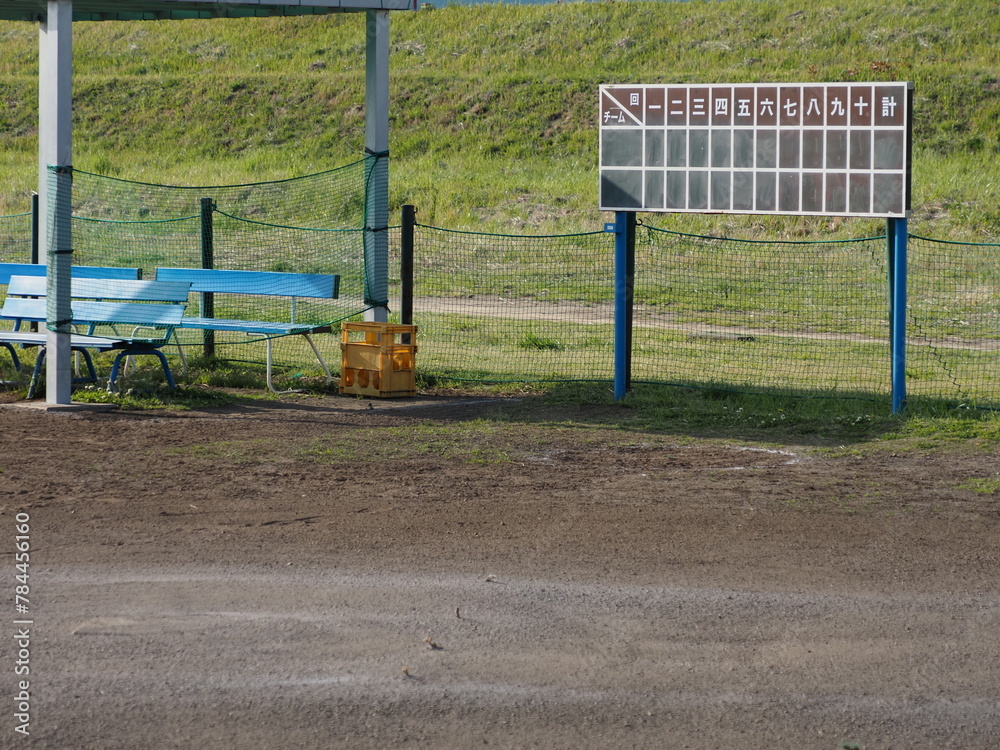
(767, 148)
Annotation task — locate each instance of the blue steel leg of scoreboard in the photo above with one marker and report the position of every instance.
(896, 229)
(624, 285)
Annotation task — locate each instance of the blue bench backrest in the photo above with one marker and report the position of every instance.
(103, 288)
(273, 283)
(157, 315)
(102, 301)
(79, 272)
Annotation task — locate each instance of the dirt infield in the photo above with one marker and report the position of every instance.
(451, 572)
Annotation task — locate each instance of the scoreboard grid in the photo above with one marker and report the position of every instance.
(809, 149)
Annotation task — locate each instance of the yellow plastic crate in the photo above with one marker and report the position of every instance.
(376, 362)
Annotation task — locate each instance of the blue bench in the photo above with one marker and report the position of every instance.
(97, 304)
(273, 284)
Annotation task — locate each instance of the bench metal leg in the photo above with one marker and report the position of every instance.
(112, 387)
(177, 343)
(40, 360)
(270, 385)
(13, 355)
(180, 352)
(114, 371)
(76, 352)
(91, 372)
(319, 357)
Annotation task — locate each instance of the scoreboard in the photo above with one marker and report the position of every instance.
(806, 148)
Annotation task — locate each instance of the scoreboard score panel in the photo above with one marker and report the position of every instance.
(807, 148)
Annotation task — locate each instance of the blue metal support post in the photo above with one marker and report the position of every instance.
(624, 228)
(896, 232)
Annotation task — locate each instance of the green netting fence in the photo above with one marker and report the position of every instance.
(15, 238)
(803, 318)
(311, 224)
(499, 307)
(953, 321)
(789, 317)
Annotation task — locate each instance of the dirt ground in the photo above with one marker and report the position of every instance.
(244, 578)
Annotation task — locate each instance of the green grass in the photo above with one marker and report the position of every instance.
(144, 394)
(983, 485)
(207, 383)
(835, 424)
(493, 107)
(831, 423)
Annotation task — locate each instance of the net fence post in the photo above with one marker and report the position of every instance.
(409, 223)
(35, 218)
(207, 261)
(377, 182)
(624, 229)
(35, 225)
(896, 232)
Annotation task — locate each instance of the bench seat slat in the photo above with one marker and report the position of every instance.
(126, 313)
(252, 326)
(40, 338)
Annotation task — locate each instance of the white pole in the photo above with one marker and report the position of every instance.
(55, 146)
(377, 144)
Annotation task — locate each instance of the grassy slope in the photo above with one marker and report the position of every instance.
(494, 107)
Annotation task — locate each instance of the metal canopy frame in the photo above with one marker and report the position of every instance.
(162, 10)
(55, 147)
